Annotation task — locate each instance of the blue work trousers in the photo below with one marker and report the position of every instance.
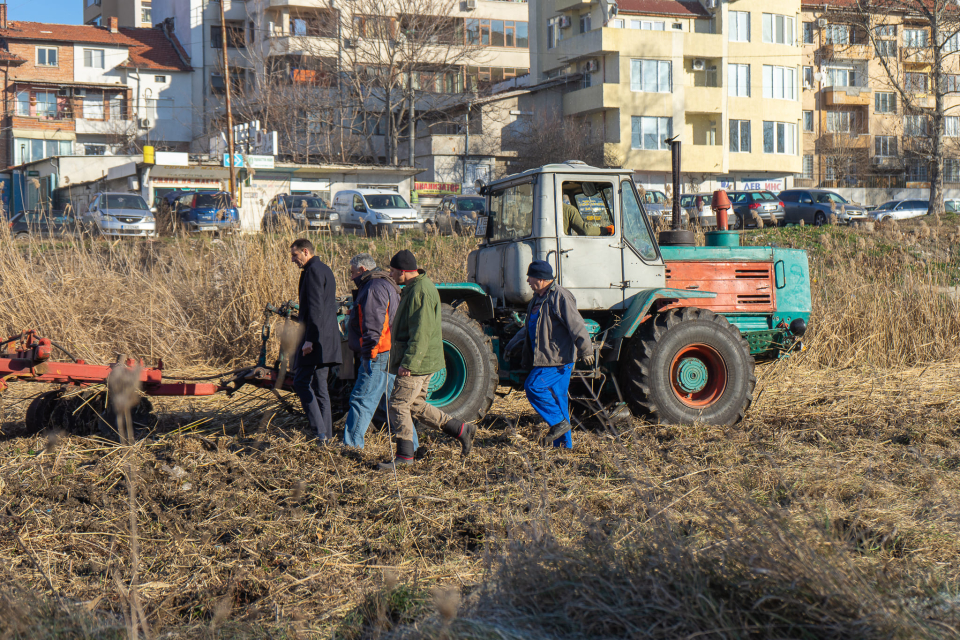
(373, 380)
(547, 389)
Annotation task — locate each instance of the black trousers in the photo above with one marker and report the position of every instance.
(310, 383)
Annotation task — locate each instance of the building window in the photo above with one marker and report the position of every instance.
(115, 110)
(841, 122)
(94, 149)
(585, 23)
(915, 126)
(885, 146)
(838, 77)
(886, 31)
(887, 48)
(93, 58)
(779, 82)
(808, 77)
(951, 170)
(915, 82)
(917, 170)
(838, 34)
(616, 24)
(740, 136)
(650, 76)
(650, 132)
(31, 150)
(553, 32)
(951, 126)
(808, 120)
(807, 168)
(778, 29)
(738, 80)
(885, 102)
(144, 17)
(160, 79)
(808, 33)
(46, 56)
(497, 33)
(952, 82)
(780, 138)
(235, 37)
(647, 25)
(93, 107)
(23, 103)
(914, 37)
(739, 26)
(952, 44)
(46, 104)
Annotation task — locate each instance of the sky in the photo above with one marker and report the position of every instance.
(56, 11)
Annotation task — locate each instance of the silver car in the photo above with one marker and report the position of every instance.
(900, 210)
(120, 215)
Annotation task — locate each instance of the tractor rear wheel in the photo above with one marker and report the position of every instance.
(465, 387)
(690, 365)
(40, 410)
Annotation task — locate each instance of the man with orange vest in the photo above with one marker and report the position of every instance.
(375, 303)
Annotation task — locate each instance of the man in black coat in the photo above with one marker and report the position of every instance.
(320, 348)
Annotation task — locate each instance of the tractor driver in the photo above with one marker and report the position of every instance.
(574, 225)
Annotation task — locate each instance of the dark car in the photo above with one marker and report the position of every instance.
(202, 211)
(458, 214)
(746, 203)
(697, 206)
(45, 224)
(301, 213)
(815, 206)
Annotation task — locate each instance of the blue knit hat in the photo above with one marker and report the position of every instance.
(540, 269)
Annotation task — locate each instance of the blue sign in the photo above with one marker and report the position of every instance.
(237, 160)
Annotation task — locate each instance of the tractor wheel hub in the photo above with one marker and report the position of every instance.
(692, 375)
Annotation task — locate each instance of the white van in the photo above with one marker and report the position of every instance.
(375, 212)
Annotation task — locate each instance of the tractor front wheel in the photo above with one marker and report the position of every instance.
(690, 365)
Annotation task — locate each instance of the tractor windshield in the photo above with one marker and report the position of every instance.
(635, 229)
(511, 213)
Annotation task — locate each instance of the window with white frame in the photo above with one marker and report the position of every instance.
(808, 78)
(23, 103)
(115, 107)
(780, 138)
(951, 170)
(841, 122)
(46, 104)
(887, 48)
(886, 31)
(616, 24)
(647, 25)
(651, 132)
(885, 146)
(93, 58)
(808, 120)
(740, 136)
(915, 37)
(146, 15)
(94, 149)
(841, 77)
(160, 79)
(650, 76)
(32, 149)
(914, 126)
(809, 32)
(93, 107)
(779, 82)
(951, 126)
(584, 23)
(838, 34)
(553, 32)
(738, 80)
(778, 29)
(915, 82)
(807, 168)
(47, 57)
(739, 26)
(885, 102)
(952, 44)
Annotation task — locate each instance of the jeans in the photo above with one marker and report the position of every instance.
(547, 389)
(310, 383)
(373, 380)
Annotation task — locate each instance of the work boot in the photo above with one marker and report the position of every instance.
(405, 456)
(557, 430)
(462, 431)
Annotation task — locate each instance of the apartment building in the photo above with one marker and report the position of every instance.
(84, 90)
(723, 76)
(857, 131)
(129, 13)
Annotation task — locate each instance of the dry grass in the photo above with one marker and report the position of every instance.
(830, 512)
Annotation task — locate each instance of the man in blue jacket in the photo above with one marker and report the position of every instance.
(552, 338)
(320, 346)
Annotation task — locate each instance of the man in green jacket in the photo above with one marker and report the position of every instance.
(415, 355)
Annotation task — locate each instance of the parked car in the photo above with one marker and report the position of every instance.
(745, 203)
(458, 214)
(119, 215)
(375, 211)
(701, 214)
(900, 210)
(203, 211)
(814, 206)
(43, 224)
(302, 213)
(951, 206)
(655, 204)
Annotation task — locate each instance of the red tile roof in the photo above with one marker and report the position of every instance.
(8, 59)
(155, 51)
(679, 8)
(17, 30)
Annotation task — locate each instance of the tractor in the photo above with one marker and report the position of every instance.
(677, 329)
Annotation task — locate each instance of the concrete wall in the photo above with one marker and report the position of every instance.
(175, 121)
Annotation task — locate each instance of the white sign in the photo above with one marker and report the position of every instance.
(171, 159)
(762, 184)
(251, 162)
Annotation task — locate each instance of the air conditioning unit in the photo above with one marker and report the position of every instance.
(699, 64)
(145, 123)
(348, 43)
(133, 184)
(564, 22)
(471, 5)
(592, 65)
(712, 4)
(80, 92)
(64, 91)
(821, 22)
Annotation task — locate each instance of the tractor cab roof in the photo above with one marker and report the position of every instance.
(570, 166)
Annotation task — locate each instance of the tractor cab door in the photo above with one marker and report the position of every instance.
(588, 237)
(642, 265)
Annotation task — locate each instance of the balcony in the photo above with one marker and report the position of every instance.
(847, 96)
(286, 44)
(703, 99)
(104, 127)
(832, 141)
(656, 44)
(701, 45)
(847, 51)
(917, 56)
(572, 5)
(592, 99)
(702, 158)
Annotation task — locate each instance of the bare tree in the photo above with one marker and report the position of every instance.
(549, 137)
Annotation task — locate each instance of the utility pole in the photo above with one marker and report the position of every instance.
(412, 126)
(226, 84)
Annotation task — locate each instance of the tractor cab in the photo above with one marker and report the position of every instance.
(588, 223)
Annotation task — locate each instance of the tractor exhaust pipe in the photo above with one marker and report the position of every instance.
(676, 236)
(722, 237)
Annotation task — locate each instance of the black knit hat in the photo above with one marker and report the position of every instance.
(540, 269)
(404, 260)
